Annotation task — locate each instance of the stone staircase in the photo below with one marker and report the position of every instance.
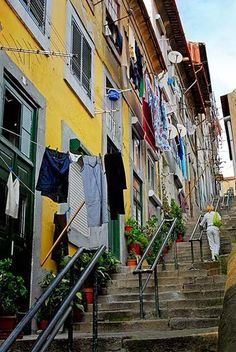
(190, 305)
(190, 302)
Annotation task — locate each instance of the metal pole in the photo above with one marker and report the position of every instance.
(175, 255)
(95, 313)
(156, 294)
(62, 233)
(192, 252)
(201, 253)
(141, 295)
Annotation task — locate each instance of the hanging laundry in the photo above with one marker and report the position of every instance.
(61, 249)
(95, 191)
(132, 44)
(159, 119)
(53, 175)
(147, 124)
(13, 197)
(181, 153)
(116, 182)
(183, 201)
(118, 40)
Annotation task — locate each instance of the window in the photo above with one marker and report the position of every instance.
(136, 153)
(79, 69)
(151, 172)
(81, 64)
(17, 120)
(137, 199)
(112, 8)
(36, 9)
(111, 25)
(36, 15)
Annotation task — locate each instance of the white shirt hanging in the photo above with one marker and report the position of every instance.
(13, 197)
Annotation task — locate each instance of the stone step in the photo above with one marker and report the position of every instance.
(203, 286)
(203, 294)
(135, 297)
(148, 325)
(205, 312)
(164, 304)
(135, 289)
(191, 323)
(125, 326)
(130, 314)
(194, 340)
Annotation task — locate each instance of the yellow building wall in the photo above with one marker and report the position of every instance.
(47, 74)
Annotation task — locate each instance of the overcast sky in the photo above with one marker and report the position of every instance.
(214, 23)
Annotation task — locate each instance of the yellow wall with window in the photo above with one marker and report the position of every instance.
(47, 75)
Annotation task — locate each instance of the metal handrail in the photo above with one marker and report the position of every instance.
(153, 270)
(64, 309)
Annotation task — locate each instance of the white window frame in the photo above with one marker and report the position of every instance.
(69, 77)
(151, 165)
(43, 38)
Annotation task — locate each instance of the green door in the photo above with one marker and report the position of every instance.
(17, 153)
(114, 237)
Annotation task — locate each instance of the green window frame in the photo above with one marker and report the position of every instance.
(19, 131)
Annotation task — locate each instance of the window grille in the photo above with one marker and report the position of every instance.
(37, 10)
(81, 64)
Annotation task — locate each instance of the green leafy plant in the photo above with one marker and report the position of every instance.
(176, 212)
(12, 288)
(136, 234)
(131, 255)
(55, 299)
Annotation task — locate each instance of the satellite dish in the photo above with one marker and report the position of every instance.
(175, 57)
(172, 131)
(181, 129)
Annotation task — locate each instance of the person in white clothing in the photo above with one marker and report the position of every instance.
(213, 235)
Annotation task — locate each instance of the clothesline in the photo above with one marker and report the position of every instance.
(10, 169)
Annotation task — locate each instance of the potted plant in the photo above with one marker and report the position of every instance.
(131, 259)
(132, 238)
(12, 291)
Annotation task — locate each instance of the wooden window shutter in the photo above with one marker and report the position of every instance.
(76, 197)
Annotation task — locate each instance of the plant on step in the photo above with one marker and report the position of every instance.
(53, 302)
(136, 238)
(12, 288)
(176, 212)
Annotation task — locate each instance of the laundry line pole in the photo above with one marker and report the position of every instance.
(62, 233)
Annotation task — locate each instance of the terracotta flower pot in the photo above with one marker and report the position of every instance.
(42, 324)
(131, 262)
(135, 247)
(180, 238)
(88, 294)
(7, 324)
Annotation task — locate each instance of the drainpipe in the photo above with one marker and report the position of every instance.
(227, 121)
